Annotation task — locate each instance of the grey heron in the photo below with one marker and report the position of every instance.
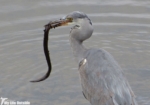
(102, 79)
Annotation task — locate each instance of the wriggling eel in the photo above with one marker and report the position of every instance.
(50, 25)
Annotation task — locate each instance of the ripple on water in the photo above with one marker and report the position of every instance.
(121, 28)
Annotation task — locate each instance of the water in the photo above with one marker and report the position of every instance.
(121, 27)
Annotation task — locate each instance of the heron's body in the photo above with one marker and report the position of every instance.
(102, 79)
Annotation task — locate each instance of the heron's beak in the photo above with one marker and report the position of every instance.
(58, 23)
(66, 21)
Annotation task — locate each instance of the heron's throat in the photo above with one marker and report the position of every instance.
(78, 49)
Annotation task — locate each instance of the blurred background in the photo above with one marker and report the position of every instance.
(122, 27)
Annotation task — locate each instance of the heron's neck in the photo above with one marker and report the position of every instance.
(78, 49)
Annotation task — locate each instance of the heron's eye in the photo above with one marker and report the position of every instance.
(70, 19)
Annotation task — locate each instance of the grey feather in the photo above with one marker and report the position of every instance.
(104, 79)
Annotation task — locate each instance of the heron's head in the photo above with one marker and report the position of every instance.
(82, 26)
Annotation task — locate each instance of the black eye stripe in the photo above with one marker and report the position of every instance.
(77, 26)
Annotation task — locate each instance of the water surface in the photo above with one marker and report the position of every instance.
(122, 27)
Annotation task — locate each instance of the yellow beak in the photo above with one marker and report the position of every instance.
(57, 23)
